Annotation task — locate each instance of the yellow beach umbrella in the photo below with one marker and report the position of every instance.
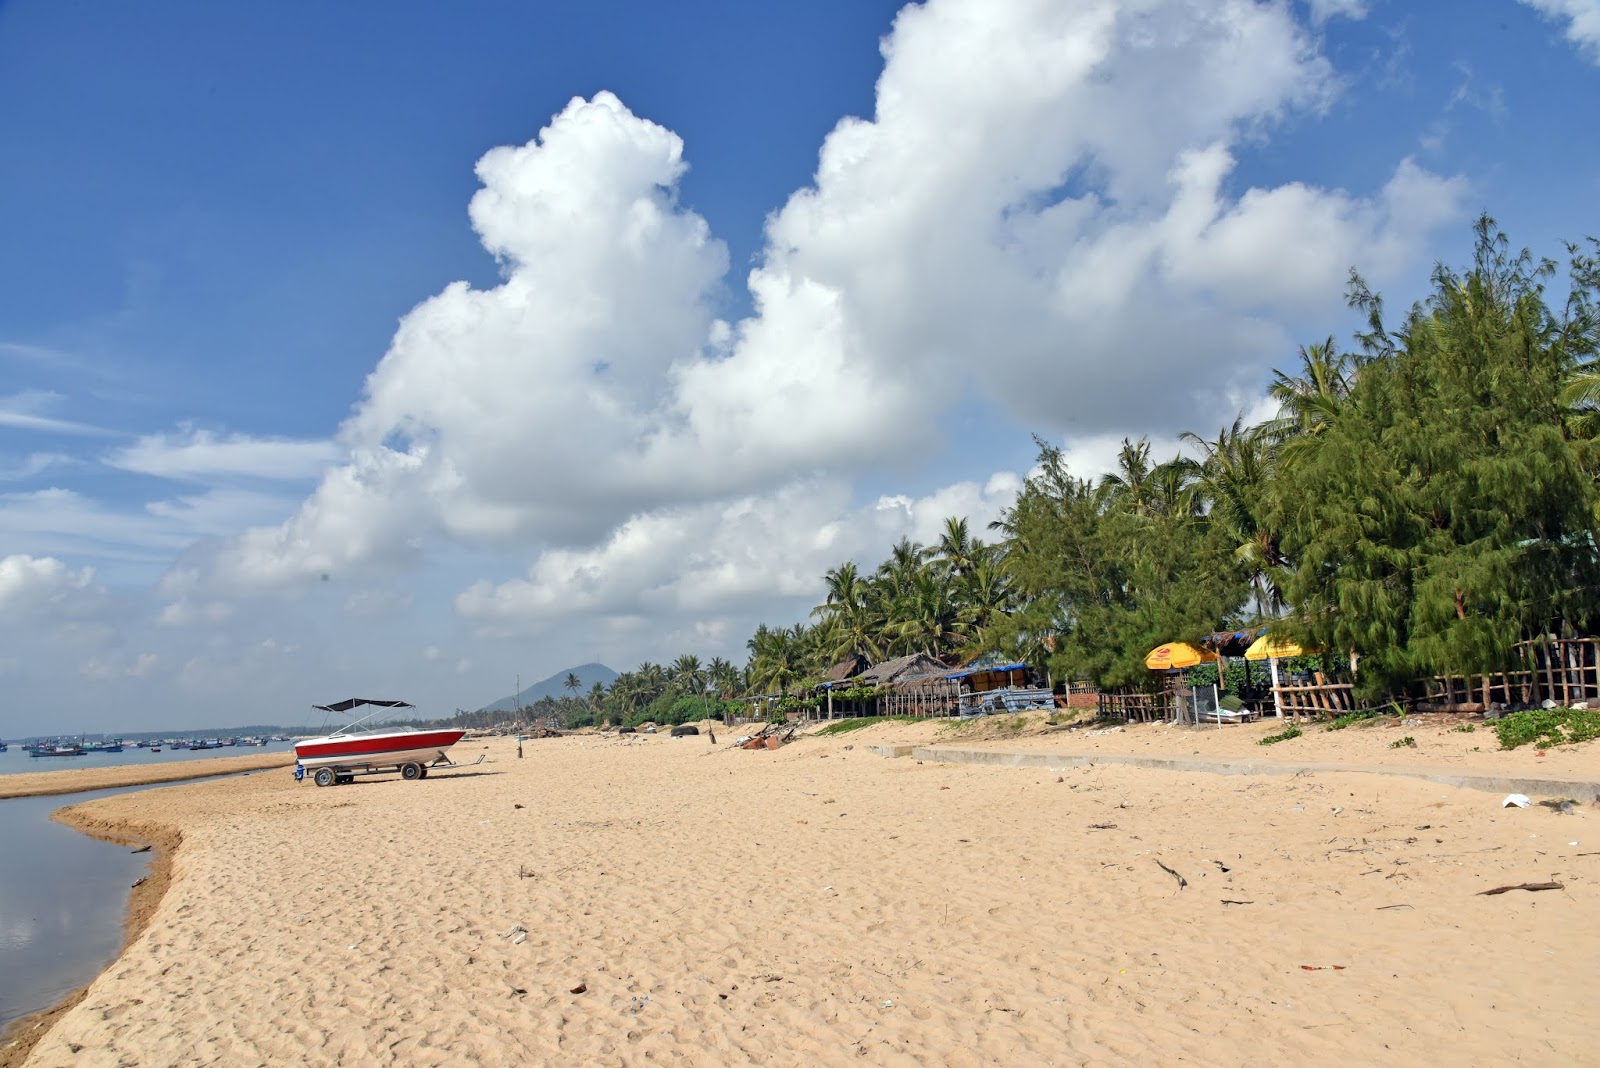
(1264, 648)
(1177, 655)
(1273, 650)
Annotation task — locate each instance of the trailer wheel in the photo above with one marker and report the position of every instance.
(424, 768)
(324, 777)
(411, 771)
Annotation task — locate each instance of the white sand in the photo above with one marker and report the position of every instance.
(819, 905)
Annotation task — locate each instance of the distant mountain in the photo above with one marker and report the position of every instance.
(556, 686)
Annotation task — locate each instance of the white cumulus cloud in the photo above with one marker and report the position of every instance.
(1041, 216)
(35, 588)
(1581, 18)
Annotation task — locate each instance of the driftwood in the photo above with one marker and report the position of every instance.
(1521, 886)
(771, 736)
(1182, 882)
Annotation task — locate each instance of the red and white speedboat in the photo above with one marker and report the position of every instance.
(339, 756)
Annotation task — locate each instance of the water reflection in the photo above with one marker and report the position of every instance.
(62, 899)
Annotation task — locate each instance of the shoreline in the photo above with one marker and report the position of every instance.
(18, 1039)
(81, 780)
(936, 912)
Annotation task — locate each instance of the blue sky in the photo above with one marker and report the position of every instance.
(253, 445)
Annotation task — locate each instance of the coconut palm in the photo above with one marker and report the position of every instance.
(1235, 480)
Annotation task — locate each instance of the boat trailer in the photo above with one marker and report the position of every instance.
(339, 774)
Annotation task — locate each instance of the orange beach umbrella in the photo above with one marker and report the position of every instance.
(1177, 655)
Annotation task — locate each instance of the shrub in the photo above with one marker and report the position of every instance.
(1284, 735)
(1548, 727)
(1341, 722)
(845, 726)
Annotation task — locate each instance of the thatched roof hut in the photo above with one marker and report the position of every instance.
(900, 669)
(848, 668)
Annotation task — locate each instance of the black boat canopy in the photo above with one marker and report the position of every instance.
(356, 702)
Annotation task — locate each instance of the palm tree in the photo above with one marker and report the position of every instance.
(957, 550)
(986, 591)
(777, 657)
(932, 621)
(1235, 479)
(1130, 485)
(723, 677)
(1310, 402)
(848, 626)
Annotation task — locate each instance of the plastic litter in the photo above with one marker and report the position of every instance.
(1519, 800)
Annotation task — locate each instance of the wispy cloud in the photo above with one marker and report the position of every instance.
(43, 355)
(31, 465)
(23, 411)
(201, 456)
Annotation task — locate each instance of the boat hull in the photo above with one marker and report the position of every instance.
(375, 750)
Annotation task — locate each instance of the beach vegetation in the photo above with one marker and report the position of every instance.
(1289, 732)
(1363, 715)
(1547, 727)
(846, 726)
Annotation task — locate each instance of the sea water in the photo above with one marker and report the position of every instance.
(63, 896)
(14, 761)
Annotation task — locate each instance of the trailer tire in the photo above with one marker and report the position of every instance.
(411, 771)
(324, 777)
(424, 771)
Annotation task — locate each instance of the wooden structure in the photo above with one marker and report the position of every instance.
(1137, 707)
(1319, 699)
(1563, 670)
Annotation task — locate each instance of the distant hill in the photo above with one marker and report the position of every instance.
(555, 686)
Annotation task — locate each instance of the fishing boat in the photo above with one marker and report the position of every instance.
(358, 749)
(56, 750)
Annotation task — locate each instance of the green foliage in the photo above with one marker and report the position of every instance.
(845, 726)
(1112, 569)
(1291, 731)
(671, 709)
(1437, 515)
(1241, 673)
(1407, 742)
(1548, 727)
(1425, 502)
(1341, 722)
(1464, 728)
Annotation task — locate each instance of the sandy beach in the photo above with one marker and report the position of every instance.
(75, 780)
(696, 905)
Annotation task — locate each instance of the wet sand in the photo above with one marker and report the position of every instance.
(73, 780)
(820, 905)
